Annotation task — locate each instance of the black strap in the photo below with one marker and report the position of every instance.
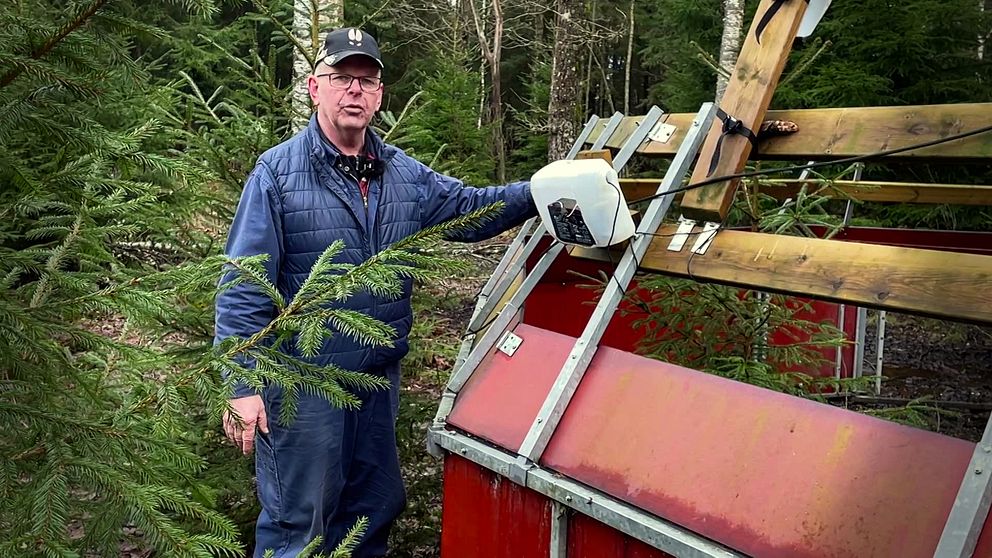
(767, 18)
(730, 126)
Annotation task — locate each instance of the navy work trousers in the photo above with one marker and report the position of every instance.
(327, 468)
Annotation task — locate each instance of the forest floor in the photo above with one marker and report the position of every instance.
(944, 369)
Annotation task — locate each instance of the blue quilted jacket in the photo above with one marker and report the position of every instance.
(295, 204)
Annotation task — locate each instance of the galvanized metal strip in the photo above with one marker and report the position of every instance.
(512, 271)
(611, 126)
(971, 507)
(500, 280)
(859, 342)
(880, 351)
(637, 138)
(506, 315)
(630, 520)
(839, 351)
(559, 530)
(625, 518)
(585, 347)
(493, 459)
(497, 285)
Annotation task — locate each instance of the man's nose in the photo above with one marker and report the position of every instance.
(355, 88)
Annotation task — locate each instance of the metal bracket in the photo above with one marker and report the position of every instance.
(510, 343)
(681, 234)
(705, 238)
(662, 132)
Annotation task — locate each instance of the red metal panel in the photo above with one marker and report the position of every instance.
(817, 312)
(587, 538)
(487, 516)
(849, 352)
(565, 298)
(767, 474)
(503, 397)
(951, 241)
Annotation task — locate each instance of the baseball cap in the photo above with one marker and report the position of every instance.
(342, 43)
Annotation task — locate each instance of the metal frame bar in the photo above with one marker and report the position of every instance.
(630, 520)
(842, 308)
(971, 506)
(859, 347)
(503, 275)
(489, 339)
(585, 346)
(559, 530)
(499, 282)
(879, 351)
(839, 351)
(611, 126)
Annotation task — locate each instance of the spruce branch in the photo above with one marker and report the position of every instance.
(287, 32)
(75, 23)
(709, 61)
(805, 63)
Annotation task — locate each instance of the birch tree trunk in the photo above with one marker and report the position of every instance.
(983, 37)
(730, 43)
(563, 104)
(311, 19)
(629, 62)
(493, 56)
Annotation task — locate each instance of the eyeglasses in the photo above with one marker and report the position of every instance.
(343, 81)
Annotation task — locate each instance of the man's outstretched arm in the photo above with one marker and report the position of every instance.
(445, 197)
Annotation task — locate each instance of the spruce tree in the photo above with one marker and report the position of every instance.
(107, 376)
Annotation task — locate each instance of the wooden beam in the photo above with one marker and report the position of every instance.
(901, 192)
(835, 133)
(947, 285)
(748, 95)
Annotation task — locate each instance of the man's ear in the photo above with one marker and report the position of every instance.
(382, 93)
(312, 86)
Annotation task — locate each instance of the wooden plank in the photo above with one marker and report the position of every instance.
(957, 194)
(948, 285)
(901, 192)
(749, 92)
(835, 133)
(604, 154)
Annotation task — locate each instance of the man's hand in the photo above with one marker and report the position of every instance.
(239, 426)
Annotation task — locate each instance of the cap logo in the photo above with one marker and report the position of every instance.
(355, 37)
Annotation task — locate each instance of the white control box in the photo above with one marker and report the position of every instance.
(580, 203)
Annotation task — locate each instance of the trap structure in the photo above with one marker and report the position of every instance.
(559, 441)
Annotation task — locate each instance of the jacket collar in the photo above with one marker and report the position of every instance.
(325, 150)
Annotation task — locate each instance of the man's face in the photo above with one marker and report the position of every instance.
(351, 107)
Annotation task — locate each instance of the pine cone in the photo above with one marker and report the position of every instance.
(770, 128)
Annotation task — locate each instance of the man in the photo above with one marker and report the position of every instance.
(334, 180)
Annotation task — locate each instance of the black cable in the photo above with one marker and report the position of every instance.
(613, 230)
(866, 157)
